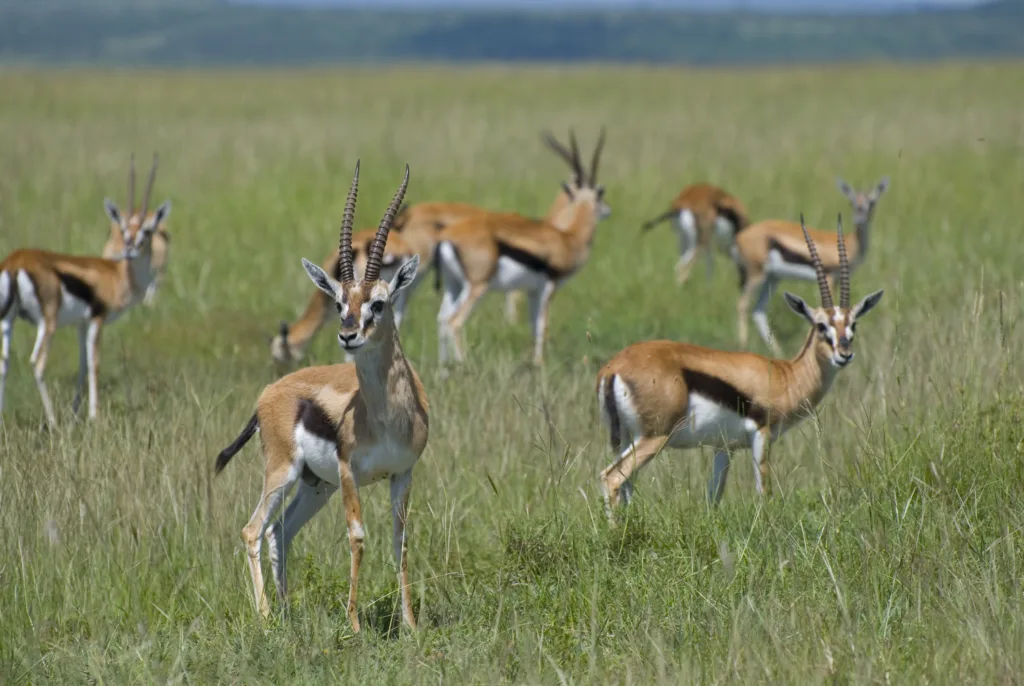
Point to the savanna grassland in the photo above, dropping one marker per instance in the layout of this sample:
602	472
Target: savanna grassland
892	548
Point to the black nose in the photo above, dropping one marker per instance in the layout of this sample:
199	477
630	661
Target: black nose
347	337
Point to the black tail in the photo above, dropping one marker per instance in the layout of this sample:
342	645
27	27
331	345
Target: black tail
650	224
614	428
437	268
243	438
12	289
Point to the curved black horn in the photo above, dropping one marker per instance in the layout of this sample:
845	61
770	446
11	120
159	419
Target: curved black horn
345	270
149	186
844	265
565	154
131	186
819	271
574	150
595	160
376	252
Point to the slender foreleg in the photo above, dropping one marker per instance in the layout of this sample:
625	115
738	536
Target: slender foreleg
400	485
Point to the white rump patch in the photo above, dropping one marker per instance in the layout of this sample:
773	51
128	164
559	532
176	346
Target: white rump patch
28	297
708	423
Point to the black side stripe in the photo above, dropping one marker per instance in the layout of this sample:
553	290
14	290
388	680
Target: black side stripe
788	255
724	394
84	292
529	260
315	420
738	222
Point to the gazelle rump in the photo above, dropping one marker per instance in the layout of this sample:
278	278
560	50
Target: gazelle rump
289	344
52	290
341	426
507	251
160	243
703	213
773	250
659	394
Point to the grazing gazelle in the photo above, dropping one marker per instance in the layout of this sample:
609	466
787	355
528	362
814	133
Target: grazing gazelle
290	343
702	211
415	232
507	251
344	425
659	394
769	251
53	290
161	240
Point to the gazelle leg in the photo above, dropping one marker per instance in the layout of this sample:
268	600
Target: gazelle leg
761	447
44	333
449	297
616	475
354	518
540	302
275	487
743	306
458	319
93	356
720	472
512	299
83	366
688	246
307	502
400	484
6	330
760	315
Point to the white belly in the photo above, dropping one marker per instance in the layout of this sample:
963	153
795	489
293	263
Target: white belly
780	268
513	276
708	423
72	310
369	464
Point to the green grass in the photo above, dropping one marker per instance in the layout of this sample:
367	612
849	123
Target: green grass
891	552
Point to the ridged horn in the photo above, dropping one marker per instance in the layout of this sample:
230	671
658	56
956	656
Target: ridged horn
376	253
565	154
596	159
149	186
131	186
819	271
345	269
844	265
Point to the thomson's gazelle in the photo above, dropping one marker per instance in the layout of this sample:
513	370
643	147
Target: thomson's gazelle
344	425
659	394
52	290
770	251
703	212
507	252
159	252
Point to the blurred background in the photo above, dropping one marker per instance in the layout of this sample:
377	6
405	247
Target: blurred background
309	32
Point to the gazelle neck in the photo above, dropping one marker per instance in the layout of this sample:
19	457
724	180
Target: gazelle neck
581	224
384	374
863	241
812	375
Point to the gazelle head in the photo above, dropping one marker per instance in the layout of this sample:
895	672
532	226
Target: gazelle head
863	204
137	228
834	327
581	182
364	306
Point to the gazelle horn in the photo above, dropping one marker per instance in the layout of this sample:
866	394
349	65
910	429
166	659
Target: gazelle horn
345	270
565	154
149	186
376	252
844	265
819	271
131	186
592	181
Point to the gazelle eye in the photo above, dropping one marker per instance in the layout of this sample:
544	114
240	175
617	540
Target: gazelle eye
377	307
822	329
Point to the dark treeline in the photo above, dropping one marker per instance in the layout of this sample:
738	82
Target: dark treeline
207	32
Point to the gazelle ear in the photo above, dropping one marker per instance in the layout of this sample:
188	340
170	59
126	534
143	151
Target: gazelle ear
568	191
161	213
877	191
406	275
866	305
846	190
797	304
320	278
112	211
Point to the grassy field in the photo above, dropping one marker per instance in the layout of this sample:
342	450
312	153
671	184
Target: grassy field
891	552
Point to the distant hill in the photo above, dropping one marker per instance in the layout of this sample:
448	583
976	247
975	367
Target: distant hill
212	32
